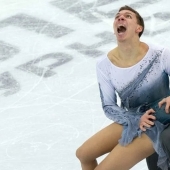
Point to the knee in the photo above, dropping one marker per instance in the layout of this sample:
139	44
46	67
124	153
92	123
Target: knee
82	154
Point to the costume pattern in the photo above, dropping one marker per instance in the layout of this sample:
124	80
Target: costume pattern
144	82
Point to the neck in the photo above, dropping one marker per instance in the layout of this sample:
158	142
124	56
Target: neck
129	50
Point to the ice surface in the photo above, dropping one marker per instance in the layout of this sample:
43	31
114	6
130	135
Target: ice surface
50	101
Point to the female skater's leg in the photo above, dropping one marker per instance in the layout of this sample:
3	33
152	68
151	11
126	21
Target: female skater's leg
125	157
99	144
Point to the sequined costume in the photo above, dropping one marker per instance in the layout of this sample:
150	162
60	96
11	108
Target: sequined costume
144	82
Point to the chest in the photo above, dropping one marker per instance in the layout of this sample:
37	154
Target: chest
144	75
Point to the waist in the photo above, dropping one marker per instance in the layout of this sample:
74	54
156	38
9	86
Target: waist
140	109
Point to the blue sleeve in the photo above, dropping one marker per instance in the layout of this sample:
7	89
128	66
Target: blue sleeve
108	95
130	121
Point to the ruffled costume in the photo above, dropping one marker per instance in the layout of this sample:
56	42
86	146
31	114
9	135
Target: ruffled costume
145	82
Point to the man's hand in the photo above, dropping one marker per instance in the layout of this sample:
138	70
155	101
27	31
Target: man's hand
167	102
146	120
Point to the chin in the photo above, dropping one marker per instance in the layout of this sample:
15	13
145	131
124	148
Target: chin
121	39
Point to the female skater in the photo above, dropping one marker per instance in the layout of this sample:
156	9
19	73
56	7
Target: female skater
138	73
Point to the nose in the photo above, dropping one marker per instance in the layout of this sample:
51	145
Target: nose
121	18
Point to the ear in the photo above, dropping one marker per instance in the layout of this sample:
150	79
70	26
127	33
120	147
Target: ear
139	29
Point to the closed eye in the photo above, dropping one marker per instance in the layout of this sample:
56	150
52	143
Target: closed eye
125	15
117	16
128	16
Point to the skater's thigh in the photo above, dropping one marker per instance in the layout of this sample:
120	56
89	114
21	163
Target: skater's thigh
102	142
125	157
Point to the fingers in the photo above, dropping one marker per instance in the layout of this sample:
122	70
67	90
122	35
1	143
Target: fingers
142	128
150	112
147	124
163	101
167	108
167	102
151	117
147	119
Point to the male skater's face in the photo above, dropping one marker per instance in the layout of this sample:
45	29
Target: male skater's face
125	24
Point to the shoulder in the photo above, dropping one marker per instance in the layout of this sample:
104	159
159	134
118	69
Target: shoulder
158	50
106	59
103	65
155	47
162	52
102	60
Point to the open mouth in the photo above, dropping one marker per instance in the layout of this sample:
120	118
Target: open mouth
121	29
